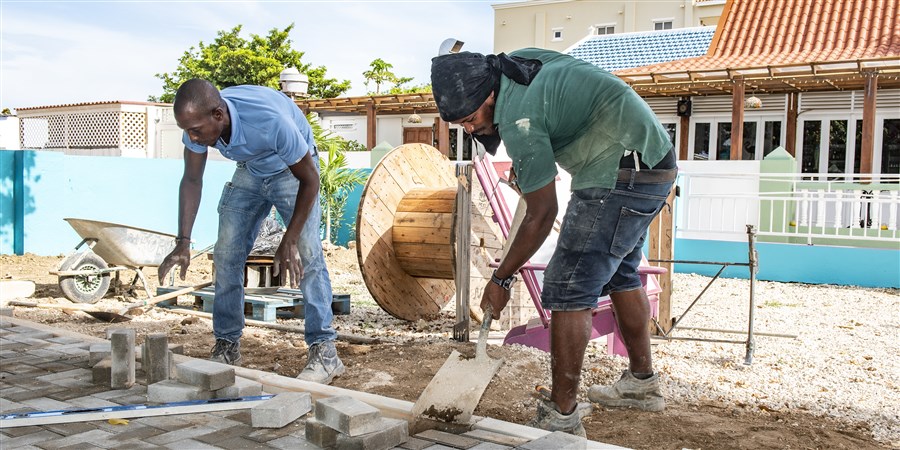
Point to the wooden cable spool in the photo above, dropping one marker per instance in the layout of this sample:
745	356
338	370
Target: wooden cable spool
405	232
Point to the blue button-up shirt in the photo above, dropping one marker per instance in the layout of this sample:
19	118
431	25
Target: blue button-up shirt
268	131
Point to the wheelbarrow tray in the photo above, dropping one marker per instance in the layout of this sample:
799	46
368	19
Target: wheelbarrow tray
123	245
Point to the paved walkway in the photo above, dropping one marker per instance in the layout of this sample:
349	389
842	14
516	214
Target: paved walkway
41	370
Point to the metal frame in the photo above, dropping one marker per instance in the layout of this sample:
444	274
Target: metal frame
753	267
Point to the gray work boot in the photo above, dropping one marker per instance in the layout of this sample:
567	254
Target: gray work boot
550	419
226	352
630	392
323	364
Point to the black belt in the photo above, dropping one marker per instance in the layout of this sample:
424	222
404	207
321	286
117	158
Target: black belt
647	175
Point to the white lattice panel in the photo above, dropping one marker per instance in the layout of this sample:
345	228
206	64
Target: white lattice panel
94	130
134	130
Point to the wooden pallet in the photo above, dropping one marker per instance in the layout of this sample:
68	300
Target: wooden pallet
285	303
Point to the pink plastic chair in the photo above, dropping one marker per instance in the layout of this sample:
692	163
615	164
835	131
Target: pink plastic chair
536	333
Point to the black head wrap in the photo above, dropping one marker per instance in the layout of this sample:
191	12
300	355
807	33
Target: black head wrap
461	82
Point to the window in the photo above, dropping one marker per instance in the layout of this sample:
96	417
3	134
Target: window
604	29
890	146
771	136
701	141
557	34
662	24
837	146
812	132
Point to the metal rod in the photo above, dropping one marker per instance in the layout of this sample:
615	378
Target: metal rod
719	330
693	302
713	263
753	257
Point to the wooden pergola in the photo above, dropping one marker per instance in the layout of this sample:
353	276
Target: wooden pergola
372	106
867	75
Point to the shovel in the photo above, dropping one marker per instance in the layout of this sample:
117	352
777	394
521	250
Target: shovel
456	389
103	316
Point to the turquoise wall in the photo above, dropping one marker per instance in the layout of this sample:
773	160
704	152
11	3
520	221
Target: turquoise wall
795	263
38	189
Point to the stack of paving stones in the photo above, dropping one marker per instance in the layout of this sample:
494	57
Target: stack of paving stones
42	371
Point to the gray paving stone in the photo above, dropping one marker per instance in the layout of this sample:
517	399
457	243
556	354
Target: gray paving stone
414	443
180	434
241	443
439	447
116	393
21	431
169	391
132	431
292	442
63	340
224	434
88	436
46	404
137	445
69	374
348	415
123	362
242	387
90	401
453	440
81	446
281	410
166	423
68	429
7	406
391	432
190	444
269	434
320	434
490	446
207	375
496	438
30	438
556	441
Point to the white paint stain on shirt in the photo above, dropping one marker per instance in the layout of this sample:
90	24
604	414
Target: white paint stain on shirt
524	125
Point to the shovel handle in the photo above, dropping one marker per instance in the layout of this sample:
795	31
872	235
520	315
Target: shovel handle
481	347
46	305
159	298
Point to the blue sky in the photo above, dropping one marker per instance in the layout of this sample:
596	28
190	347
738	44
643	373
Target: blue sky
55	52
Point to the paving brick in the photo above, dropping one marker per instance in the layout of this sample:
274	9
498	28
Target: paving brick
123	363
6	311
280	410
89	401
130	432
46	404
179	435
207	375
270	434
320	434
414	443
99	351
7	406
21	431
292	442
490	446
101	372
244	444
497	438
348	415
453	440
136	445
391	432
68	429
190	444
556	441
439	447
88	436
30	438
116	393
169	391
224	434
71	393
155	360
242	387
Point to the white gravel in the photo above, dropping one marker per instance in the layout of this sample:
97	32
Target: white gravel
842	364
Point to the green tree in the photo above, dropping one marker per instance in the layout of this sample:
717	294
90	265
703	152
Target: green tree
410	90
380	73
231	60
336	181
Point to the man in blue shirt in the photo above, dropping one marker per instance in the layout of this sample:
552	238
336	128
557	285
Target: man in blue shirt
277	165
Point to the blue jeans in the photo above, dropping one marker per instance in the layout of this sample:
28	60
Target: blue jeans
599	246
245	203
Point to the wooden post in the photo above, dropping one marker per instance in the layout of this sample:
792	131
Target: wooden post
370	125
737	118
868	122
683	138
790	134
463	249
443	135
662	247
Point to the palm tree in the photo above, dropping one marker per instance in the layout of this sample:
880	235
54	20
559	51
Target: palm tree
336	181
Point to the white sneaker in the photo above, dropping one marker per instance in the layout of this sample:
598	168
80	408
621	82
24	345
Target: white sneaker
630	392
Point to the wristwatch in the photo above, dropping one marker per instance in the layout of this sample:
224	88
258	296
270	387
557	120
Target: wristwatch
505	283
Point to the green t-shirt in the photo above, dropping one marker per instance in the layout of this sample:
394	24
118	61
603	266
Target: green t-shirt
577	115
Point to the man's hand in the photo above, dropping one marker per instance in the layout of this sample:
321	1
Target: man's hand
287	257
180	256
495	296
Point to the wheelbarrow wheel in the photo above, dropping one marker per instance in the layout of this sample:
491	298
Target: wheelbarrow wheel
84	288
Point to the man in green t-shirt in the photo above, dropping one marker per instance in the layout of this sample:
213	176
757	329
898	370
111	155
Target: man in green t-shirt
551	109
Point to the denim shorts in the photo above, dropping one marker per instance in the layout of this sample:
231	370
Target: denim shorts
600	242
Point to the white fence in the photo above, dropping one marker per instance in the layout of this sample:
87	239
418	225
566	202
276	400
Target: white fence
859	210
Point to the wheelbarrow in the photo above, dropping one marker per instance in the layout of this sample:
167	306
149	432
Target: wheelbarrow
84	276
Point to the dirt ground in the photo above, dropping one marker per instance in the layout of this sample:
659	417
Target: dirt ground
408	355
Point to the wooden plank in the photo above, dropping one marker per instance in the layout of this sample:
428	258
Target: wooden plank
421	235
437	253
446	193
737	119
426	205
867	151
661	246
423	220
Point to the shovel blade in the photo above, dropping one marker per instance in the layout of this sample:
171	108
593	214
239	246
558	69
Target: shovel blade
456	389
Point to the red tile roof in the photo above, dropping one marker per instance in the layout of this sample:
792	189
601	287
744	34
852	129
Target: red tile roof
760	33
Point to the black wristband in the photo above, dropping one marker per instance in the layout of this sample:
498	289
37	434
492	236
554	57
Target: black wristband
183	238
